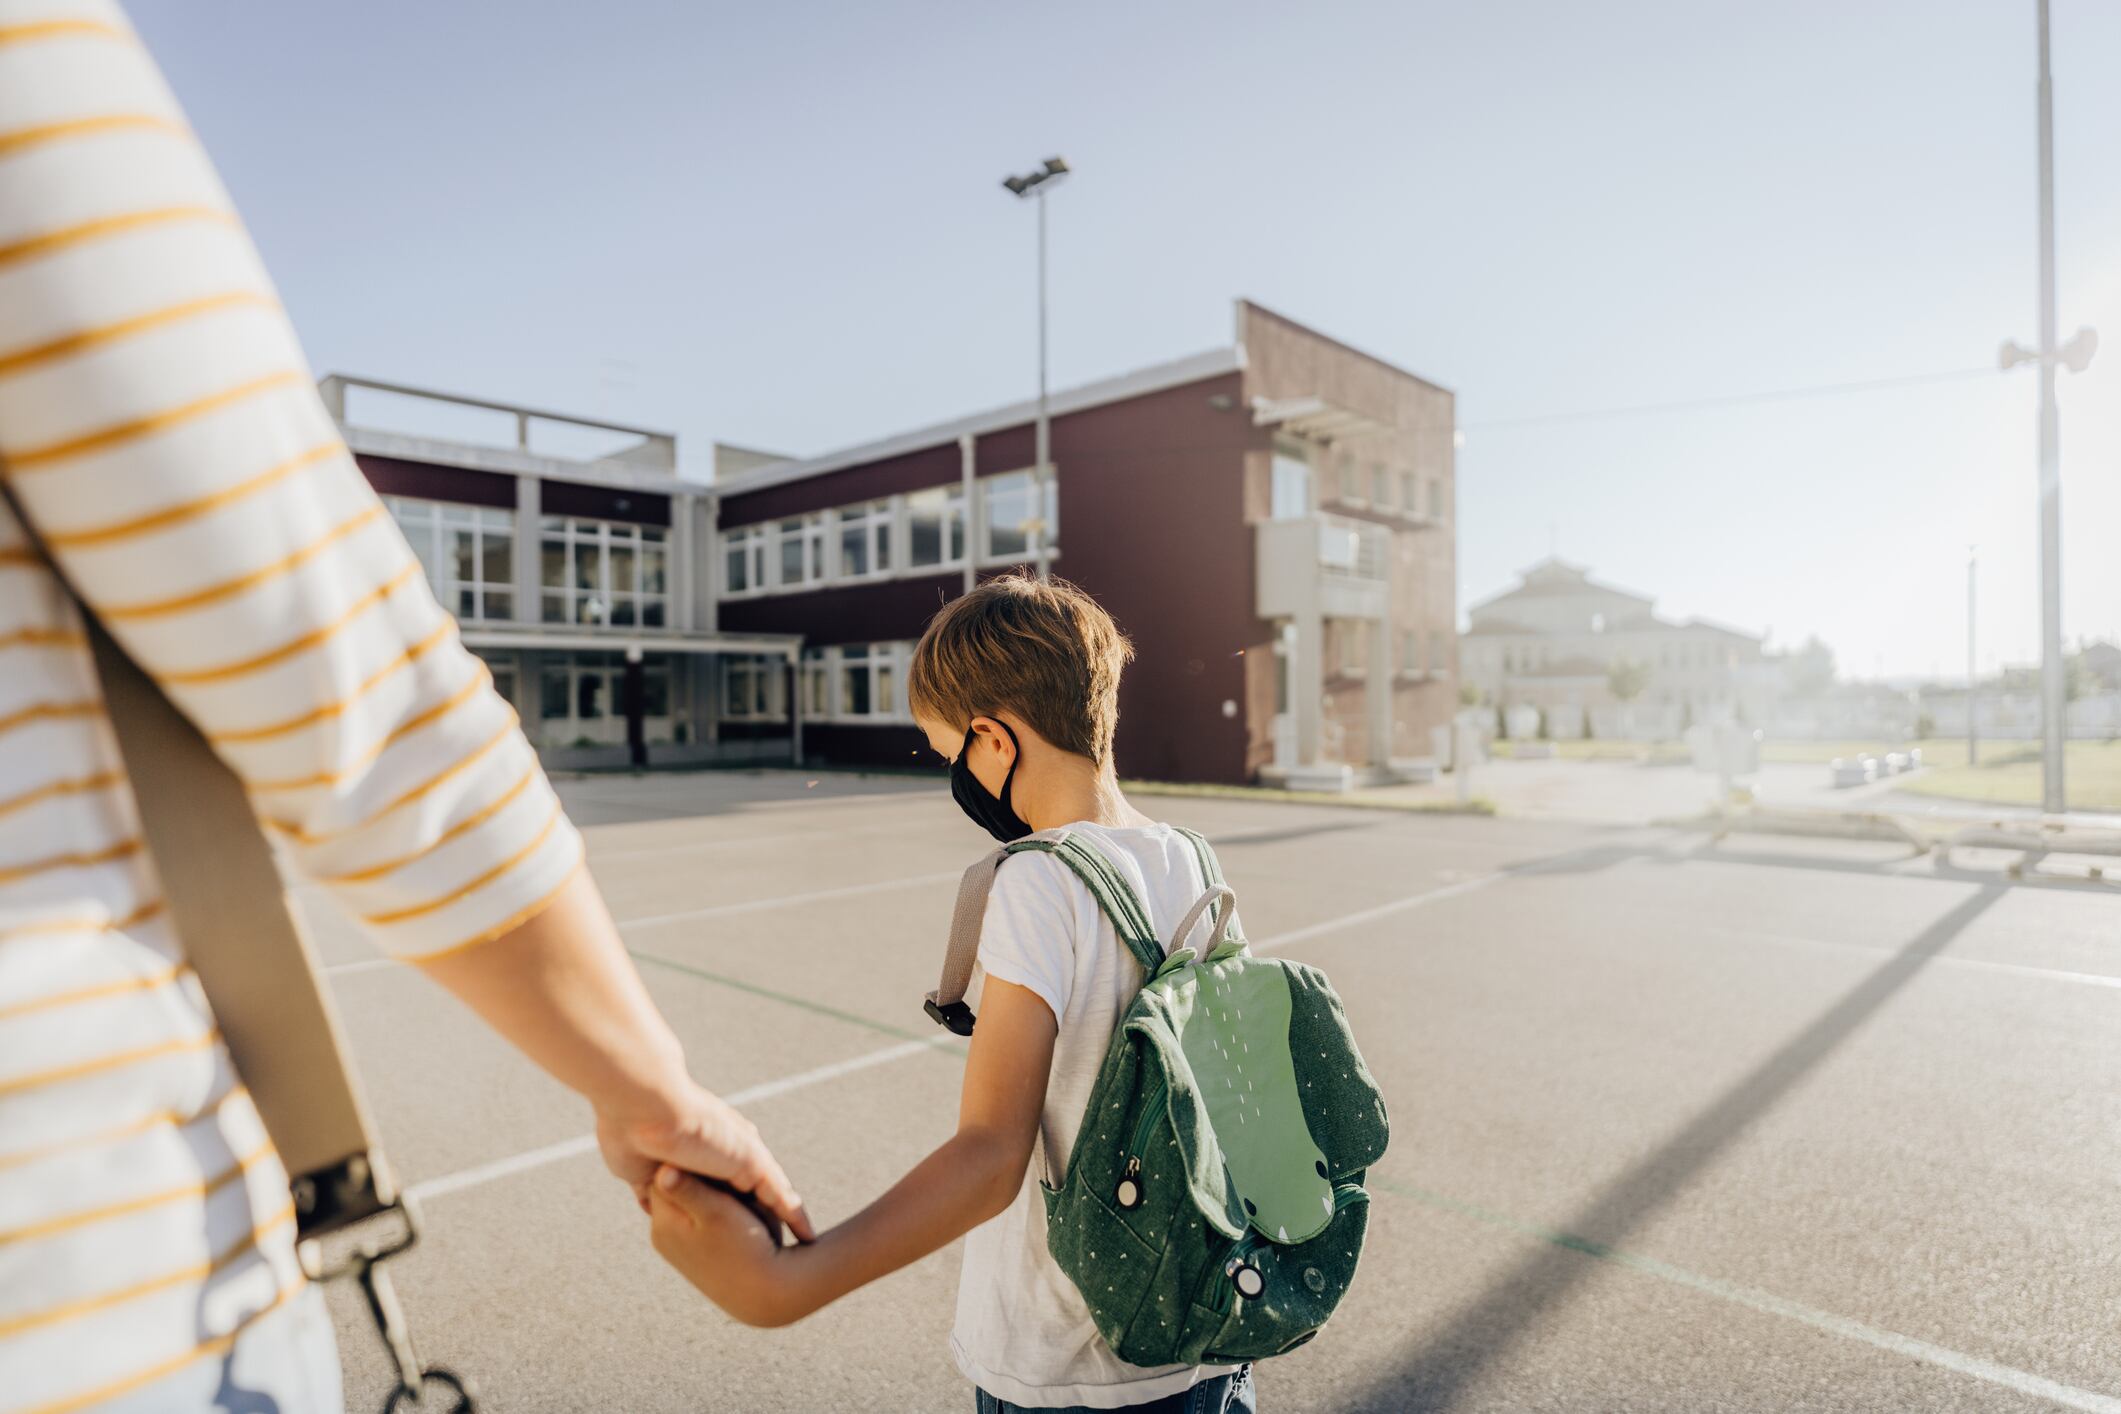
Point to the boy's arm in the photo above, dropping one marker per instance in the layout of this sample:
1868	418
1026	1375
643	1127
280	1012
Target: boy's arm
729	1255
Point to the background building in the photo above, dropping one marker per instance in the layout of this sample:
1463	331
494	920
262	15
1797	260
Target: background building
1270	522
567	549
1571	647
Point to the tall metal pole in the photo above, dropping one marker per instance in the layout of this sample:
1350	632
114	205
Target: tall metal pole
2052	704
1973	679
1045	431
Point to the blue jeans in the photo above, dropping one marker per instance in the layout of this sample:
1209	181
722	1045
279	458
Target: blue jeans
1233	1393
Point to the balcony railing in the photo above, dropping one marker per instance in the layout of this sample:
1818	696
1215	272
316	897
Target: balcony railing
1323	564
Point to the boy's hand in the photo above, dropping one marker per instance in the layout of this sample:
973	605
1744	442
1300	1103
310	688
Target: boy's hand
730	1251
699	1132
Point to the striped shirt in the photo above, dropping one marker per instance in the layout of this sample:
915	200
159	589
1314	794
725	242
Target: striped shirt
159	426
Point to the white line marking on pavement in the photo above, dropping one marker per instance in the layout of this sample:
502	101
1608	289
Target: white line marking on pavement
583	1144
762	905
1383	910
1976	964
1770	1304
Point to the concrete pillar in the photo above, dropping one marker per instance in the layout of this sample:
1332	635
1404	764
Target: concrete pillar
529	554
680	557
1307	684
1378	694
969	465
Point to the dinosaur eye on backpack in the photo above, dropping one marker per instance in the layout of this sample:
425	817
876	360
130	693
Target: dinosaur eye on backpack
1212	1210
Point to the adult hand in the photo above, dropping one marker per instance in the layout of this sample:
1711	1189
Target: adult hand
699	1132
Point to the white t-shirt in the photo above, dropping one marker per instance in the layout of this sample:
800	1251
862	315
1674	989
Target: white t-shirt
1023	1332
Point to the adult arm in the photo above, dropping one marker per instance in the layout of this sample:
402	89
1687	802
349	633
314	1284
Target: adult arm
159	427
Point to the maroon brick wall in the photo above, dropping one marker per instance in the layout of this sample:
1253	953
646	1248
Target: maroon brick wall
1151	523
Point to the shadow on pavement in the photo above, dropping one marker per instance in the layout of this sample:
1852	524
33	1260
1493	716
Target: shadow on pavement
1435	1374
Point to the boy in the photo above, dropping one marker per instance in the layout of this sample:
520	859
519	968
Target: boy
1017	684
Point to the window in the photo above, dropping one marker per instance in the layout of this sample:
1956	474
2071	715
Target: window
865	540
468	553
582	699
744	559
1407	486
1380	486
752	689
601	572
935	527
854	682
802	555
1013	517
1290	495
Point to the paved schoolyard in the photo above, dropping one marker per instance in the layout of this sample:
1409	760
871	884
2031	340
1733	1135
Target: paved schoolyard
1770	1125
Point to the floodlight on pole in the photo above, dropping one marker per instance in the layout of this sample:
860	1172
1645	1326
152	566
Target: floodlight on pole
2076	356
1035	184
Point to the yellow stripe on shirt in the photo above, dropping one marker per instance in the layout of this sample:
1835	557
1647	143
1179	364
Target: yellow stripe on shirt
119	433
552	822
101	781
444	632
189	510
23	360
144	982
31	247
360	606
60	29
38	1079
198	598
480	678
198	1271
204	1188
470	822
205	1349
22	139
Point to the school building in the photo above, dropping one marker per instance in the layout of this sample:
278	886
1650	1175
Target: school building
1270	522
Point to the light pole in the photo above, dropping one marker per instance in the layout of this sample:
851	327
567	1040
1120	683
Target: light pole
2075	355
1035	185
1973	691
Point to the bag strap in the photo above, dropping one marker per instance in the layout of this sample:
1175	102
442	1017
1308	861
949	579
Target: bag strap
946	1004
1211	878
230	909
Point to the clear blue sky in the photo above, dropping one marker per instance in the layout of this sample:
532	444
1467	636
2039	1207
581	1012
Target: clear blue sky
779	225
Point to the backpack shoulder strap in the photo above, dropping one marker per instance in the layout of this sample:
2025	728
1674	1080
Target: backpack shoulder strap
1218	894
1211	871
946	1004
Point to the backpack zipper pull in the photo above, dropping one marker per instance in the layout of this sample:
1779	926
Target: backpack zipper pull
1129	1192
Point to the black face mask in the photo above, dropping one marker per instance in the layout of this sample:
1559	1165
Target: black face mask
996	816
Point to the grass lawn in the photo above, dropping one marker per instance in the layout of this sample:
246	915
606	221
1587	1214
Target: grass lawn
2008	772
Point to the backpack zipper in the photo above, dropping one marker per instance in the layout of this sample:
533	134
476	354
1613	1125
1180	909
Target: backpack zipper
1129	1194
1217	1297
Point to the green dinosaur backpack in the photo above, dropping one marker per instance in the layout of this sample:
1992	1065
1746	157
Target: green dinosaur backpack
1212	1211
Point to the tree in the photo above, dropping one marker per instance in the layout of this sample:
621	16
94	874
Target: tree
1626	680
1810	670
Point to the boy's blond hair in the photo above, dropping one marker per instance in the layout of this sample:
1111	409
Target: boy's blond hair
1046	652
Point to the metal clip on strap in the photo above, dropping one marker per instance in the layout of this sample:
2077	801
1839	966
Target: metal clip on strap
365	1265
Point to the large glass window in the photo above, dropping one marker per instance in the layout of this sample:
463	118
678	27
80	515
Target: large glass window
601	572
935	527
801	559
855	682
582	699
865	540
752	688
467	552
1291	499
1013	515
744	559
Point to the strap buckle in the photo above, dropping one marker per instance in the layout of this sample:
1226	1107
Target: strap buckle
956	1017
364	1263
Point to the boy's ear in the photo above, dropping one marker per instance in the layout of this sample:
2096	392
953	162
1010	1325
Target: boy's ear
991	732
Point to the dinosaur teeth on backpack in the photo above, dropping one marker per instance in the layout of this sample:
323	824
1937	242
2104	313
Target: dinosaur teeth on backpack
1222	1218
